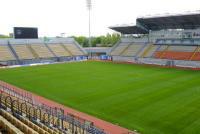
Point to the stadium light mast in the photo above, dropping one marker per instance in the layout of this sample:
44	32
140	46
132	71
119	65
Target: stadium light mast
89	7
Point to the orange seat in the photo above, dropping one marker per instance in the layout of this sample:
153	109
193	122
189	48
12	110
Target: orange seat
173	55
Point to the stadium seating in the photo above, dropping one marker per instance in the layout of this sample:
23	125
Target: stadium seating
17	123
5	53
41	50
182	48
119	49
139	50
7	127
31	51
196	54
25	117
23	123
177	52
148	51
23	51
131	50
73	49
173	55
59	50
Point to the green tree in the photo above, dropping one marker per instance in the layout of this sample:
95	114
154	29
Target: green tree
83	41
4	36
105	41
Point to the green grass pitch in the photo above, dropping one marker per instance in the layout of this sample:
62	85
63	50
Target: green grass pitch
152	100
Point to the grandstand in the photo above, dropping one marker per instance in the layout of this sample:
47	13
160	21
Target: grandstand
29	51
59	50
21	114
23	51
173	38
170	38
73	49
5	53
41	51
165	40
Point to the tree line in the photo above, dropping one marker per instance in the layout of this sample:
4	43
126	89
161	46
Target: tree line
101	41
4	36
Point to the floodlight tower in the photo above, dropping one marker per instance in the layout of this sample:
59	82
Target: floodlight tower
89	7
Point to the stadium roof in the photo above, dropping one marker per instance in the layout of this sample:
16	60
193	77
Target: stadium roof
183	21
145	24
129	29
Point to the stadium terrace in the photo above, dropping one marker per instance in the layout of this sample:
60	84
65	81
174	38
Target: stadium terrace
113	90
171	40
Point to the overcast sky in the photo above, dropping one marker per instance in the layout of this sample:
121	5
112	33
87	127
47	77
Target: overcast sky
53	17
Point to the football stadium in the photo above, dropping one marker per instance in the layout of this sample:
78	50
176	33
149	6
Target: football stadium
144	84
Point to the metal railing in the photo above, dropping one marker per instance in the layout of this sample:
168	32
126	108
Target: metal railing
24	104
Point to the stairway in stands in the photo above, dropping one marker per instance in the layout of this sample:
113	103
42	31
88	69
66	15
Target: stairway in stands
80	48
195	52
127	47
141	50
13	52
164	51
158	48
50	50
146	51
32	51
66	49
